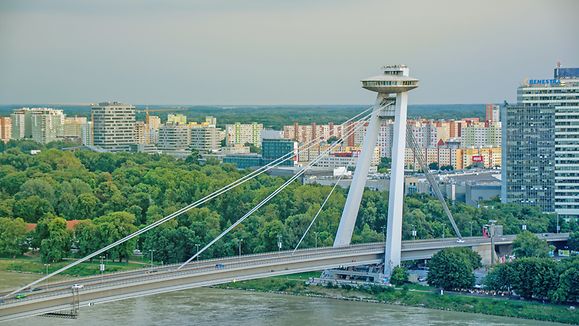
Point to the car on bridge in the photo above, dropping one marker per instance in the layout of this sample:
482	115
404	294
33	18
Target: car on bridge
20	296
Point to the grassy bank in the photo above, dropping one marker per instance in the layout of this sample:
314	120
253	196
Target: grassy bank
34	265
418	296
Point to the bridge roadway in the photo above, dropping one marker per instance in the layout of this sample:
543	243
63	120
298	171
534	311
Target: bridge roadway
147	281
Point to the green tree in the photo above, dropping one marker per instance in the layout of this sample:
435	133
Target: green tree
573	241
86	237
86	206
535	277
385	163
12	237
32	208
433	166
115	226
54	238
501	278
452	268
568	288
527	244
399	276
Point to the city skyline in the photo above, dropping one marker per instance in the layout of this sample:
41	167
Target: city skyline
275	52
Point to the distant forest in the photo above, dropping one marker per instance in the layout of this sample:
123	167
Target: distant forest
276	116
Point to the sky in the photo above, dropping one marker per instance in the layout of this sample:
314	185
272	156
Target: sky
261	52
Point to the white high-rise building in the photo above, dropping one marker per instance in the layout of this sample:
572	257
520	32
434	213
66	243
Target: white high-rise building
21	123
42	125
541	144
174	137
113	126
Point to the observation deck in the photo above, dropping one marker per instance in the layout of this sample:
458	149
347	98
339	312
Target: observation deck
395	79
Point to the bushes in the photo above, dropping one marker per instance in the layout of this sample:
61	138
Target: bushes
538	278
453	268
399	276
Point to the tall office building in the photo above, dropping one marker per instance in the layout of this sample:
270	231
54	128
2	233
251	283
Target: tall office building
113	126
540	143
272	149
5	129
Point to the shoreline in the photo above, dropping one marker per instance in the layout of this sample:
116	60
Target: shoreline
449	302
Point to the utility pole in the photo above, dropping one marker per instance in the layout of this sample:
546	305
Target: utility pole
197	245
47	282
279	242
239	245
102	268
471	228
492	234
152	250
383	231
316	235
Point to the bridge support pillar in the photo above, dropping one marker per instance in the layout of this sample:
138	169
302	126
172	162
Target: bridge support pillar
348	219
396	195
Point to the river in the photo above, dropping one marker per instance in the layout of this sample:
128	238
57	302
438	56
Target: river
206	306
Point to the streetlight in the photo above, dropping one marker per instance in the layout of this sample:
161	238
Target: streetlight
279	242
471	222
558	226
151	251
47	266
239	245
384	231
443	227
197	246
102	268
316	235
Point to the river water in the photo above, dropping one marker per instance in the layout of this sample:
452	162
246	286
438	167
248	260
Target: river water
232	307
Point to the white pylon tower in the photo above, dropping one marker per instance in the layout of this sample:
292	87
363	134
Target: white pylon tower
395	81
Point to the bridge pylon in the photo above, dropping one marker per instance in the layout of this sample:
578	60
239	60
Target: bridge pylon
391	103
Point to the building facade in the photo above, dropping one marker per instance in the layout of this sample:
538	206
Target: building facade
541	141
113	126
5	129
243	133
72	128
174	137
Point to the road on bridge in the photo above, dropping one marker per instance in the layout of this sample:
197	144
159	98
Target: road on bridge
123	285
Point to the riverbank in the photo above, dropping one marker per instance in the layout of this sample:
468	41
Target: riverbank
416	296
32	264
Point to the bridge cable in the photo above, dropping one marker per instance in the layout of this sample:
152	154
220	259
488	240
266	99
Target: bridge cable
320	209
433	183
273	194
201	201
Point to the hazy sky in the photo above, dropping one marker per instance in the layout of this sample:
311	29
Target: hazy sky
277	51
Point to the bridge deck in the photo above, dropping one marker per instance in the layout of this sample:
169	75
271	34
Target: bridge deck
147	281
